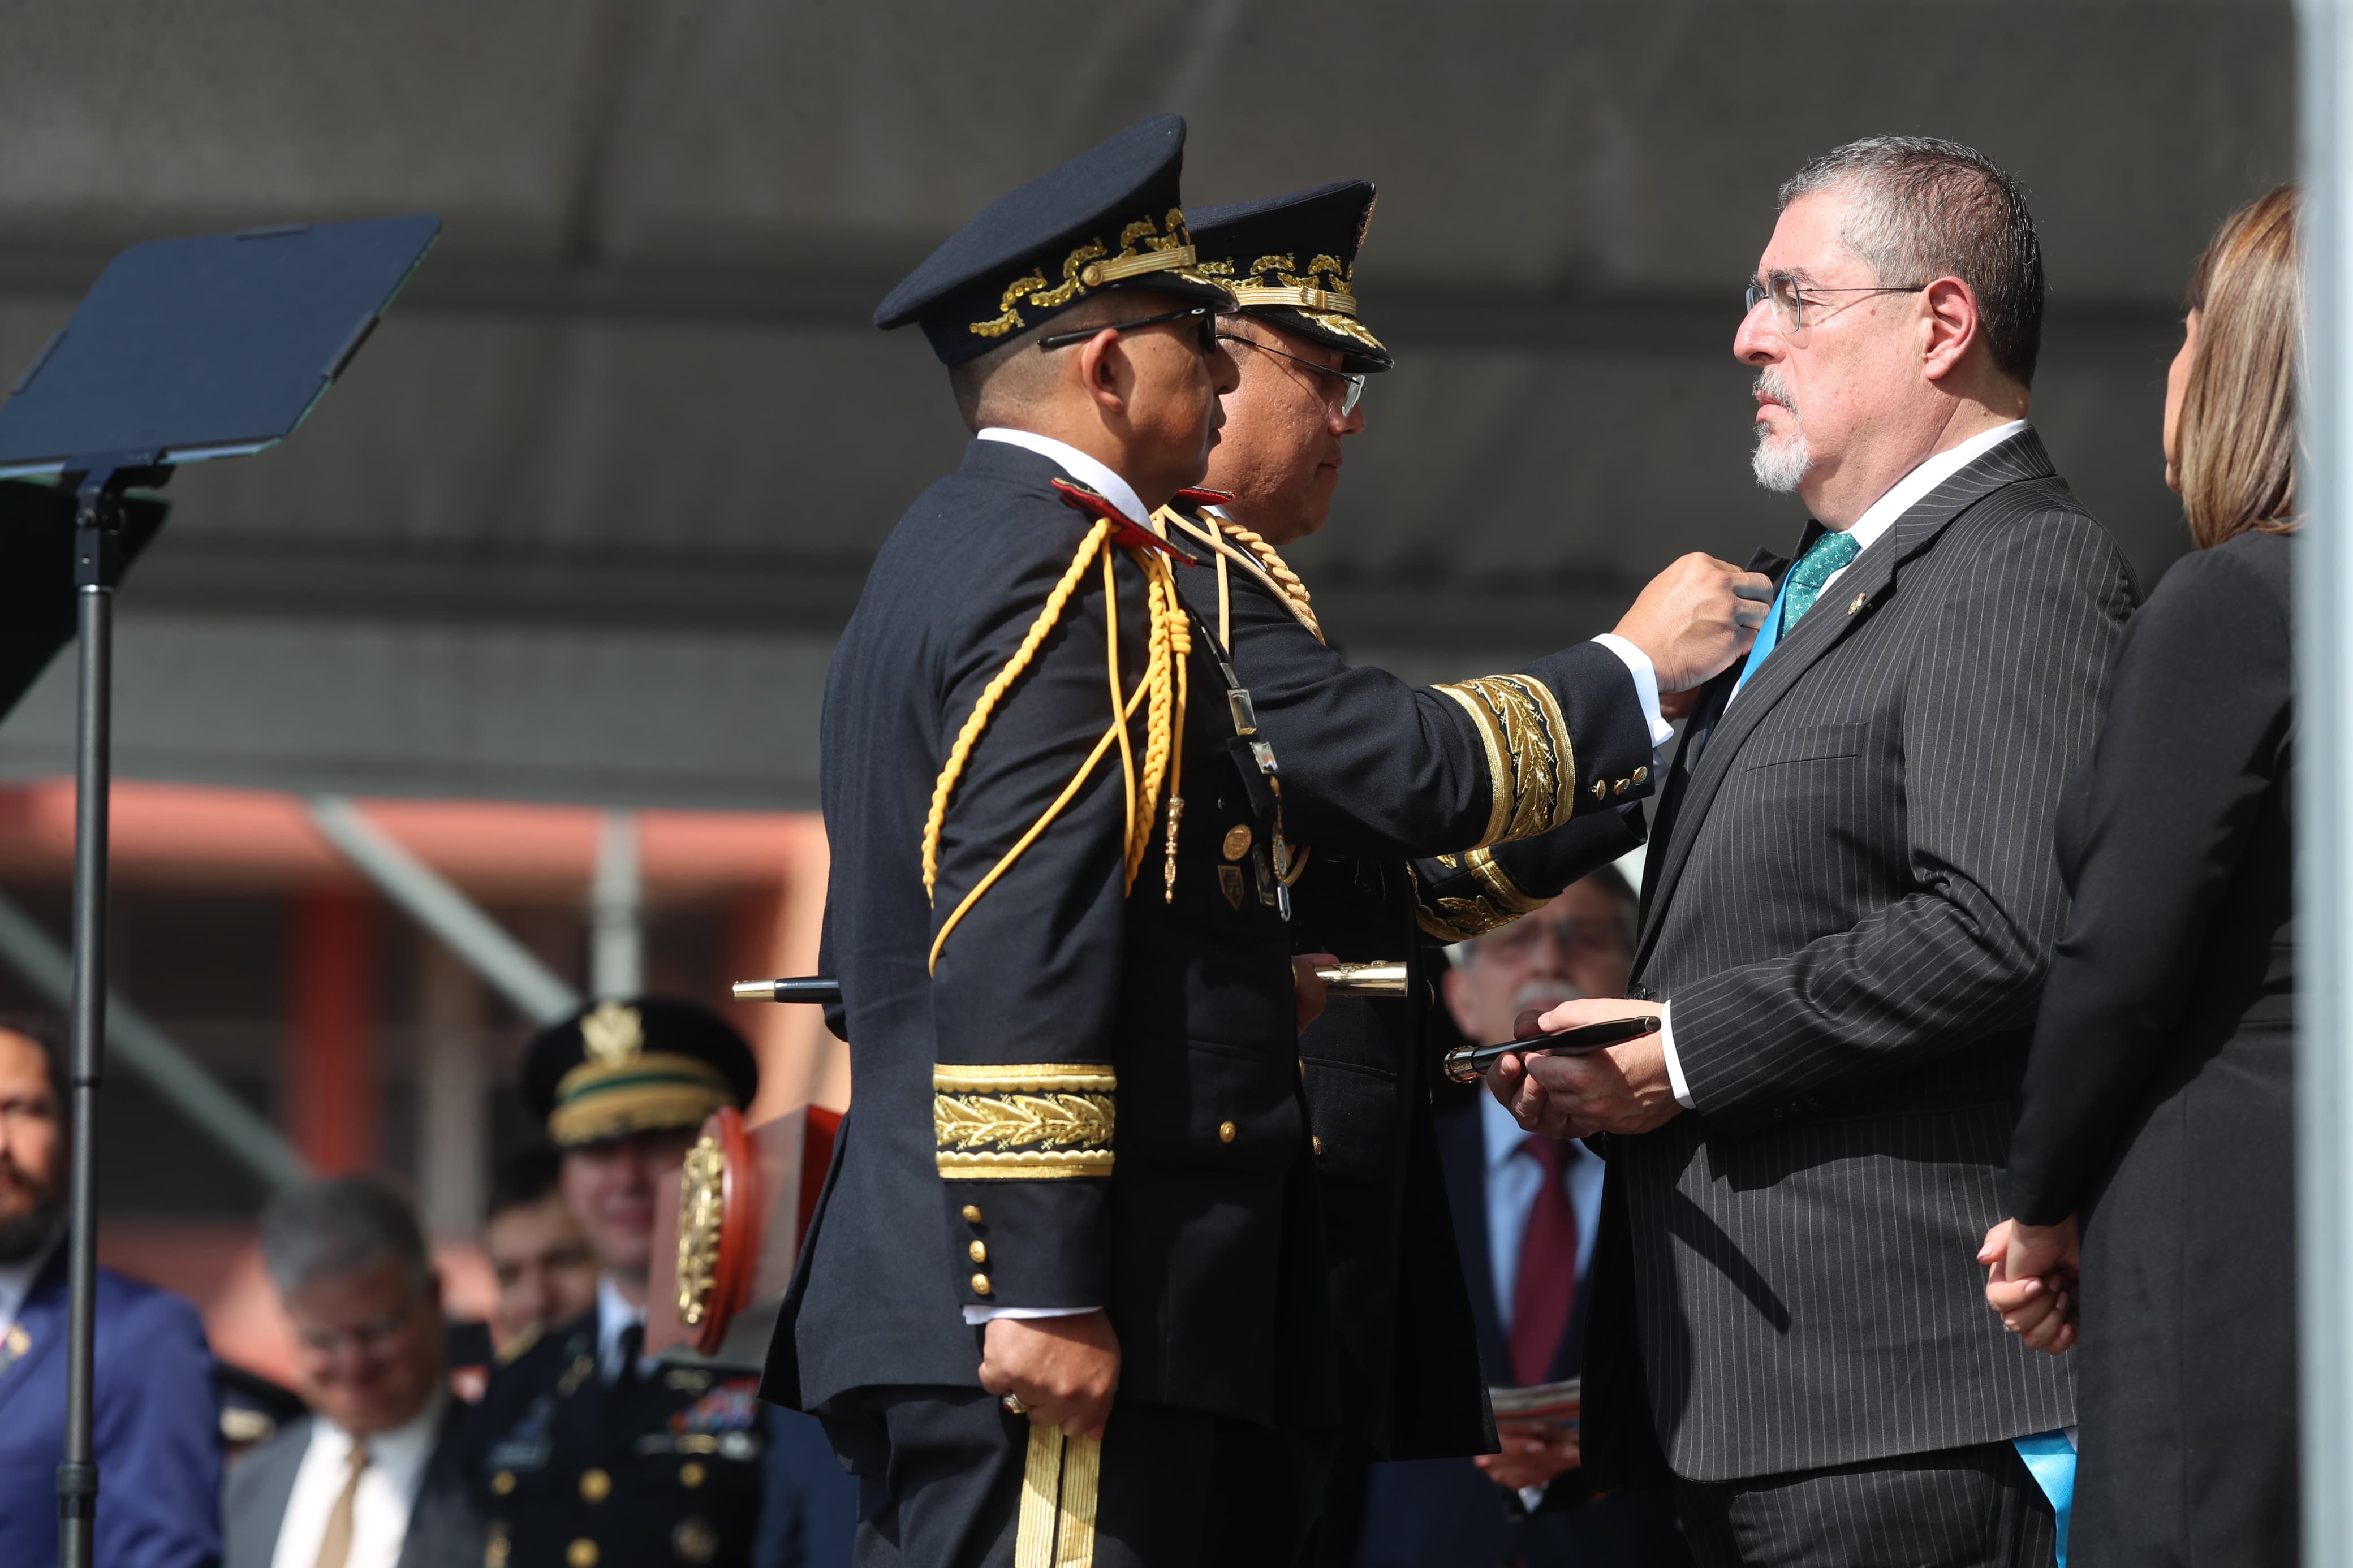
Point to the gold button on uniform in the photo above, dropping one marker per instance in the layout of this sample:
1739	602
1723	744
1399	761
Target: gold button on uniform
502	1483
1318	1141
1600	789
1621	787
691	1473
694	1540
1641	774
581	1553
1226	1130
1238	841
980	1250
980	1285
972	1213
595	1486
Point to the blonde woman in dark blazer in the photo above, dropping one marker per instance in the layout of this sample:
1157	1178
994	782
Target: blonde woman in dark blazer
2158	1121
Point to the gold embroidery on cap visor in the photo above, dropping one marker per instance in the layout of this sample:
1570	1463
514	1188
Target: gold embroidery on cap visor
1497	902
1531	766
655	1090
1093	265
1324	291
1026	1122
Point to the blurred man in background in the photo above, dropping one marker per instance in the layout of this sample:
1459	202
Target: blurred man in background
1524	1212
371	1478
546	1270
585	1449
156	1437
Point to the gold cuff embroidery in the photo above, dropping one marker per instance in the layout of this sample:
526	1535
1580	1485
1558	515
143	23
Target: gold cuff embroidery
1498	902
1531	764
1024	1122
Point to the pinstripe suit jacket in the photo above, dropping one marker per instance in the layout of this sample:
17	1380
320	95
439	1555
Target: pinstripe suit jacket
1850	911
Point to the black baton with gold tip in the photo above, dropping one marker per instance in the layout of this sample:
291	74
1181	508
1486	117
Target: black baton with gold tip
1377	979
1468	1064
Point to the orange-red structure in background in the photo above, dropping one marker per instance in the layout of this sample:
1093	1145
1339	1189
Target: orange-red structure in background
330	1106
767	868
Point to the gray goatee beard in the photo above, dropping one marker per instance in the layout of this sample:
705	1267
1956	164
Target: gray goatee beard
1780	462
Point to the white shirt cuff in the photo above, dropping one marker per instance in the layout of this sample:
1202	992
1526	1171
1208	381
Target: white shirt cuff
1674	1063
1646	684
979	1315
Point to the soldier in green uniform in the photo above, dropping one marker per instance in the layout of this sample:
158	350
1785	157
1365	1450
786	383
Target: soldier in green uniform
587	1451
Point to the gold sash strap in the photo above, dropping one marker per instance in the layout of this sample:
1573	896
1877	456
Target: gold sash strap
1058	1487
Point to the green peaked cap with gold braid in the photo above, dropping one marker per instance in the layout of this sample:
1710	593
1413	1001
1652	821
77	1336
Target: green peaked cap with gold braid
635	1065
1291	261
1112	217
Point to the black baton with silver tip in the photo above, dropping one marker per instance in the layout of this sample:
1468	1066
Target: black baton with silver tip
1468	1064
1380	978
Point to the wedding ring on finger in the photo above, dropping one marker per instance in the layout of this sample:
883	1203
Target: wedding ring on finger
1012	1401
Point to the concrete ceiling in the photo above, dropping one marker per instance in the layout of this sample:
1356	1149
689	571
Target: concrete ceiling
584	518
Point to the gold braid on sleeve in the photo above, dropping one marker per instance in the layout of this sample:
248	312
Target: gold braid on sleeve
1024	1122
1530	764
1490	901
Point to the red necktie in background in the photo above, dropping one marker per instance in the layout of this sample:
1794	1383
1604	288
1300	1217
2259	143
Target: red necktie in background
1545	1293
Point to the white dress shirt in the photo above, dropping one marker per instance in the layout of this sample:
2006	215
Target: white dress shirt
1095	475
381	1505
16	1282
1902	497
614	1315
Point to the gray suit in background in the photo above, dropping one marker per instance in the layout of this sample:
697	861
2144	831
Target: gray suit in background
444	1532
1850	909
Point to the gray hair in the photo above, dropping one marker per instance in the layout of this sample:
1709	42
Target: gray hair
339	1227
1926	208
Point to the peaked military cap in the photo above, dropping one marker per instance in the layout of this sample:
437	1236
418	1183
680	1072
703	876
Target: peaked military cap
1110	217
635	1066
1292	260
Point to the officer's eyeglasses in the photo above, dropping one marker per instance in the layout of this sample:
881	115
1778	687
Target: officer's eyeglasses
1203	317
1792	299
1352	391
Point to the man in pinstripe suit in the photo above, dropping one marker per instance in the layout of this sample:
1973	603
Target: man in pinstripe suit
1848	907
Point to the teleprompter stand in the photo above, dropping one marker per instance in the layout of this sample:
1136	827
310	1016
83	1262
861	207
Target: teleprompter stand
183	351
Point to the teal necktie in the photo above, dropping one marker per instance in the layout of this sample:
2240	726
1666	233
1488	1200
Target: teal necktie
1826	556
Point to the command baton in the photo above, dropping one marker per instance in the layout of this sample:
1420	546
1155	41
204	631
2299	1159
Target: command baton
1382	978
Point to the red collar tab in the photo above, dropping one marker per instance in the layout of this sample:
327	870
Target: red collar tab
1123	530
1205	498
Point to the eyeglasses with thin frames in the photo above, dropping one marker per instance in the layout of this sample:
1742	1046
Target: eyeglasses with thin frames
1350	395
1790	298
1204	317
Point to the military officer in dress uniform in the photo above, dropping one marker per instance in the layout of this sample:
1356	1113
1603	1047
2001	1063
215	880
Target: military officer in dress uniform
1355	744
585	1450
1060	895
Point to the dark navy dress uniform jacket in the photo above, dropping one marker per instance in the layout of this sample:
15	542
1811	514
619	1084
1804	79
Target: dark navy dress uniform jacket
1204	1243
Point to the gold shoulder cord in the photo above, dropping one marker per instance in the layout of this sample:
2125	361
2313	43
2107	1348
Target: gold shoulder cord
1231	542
1163	682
